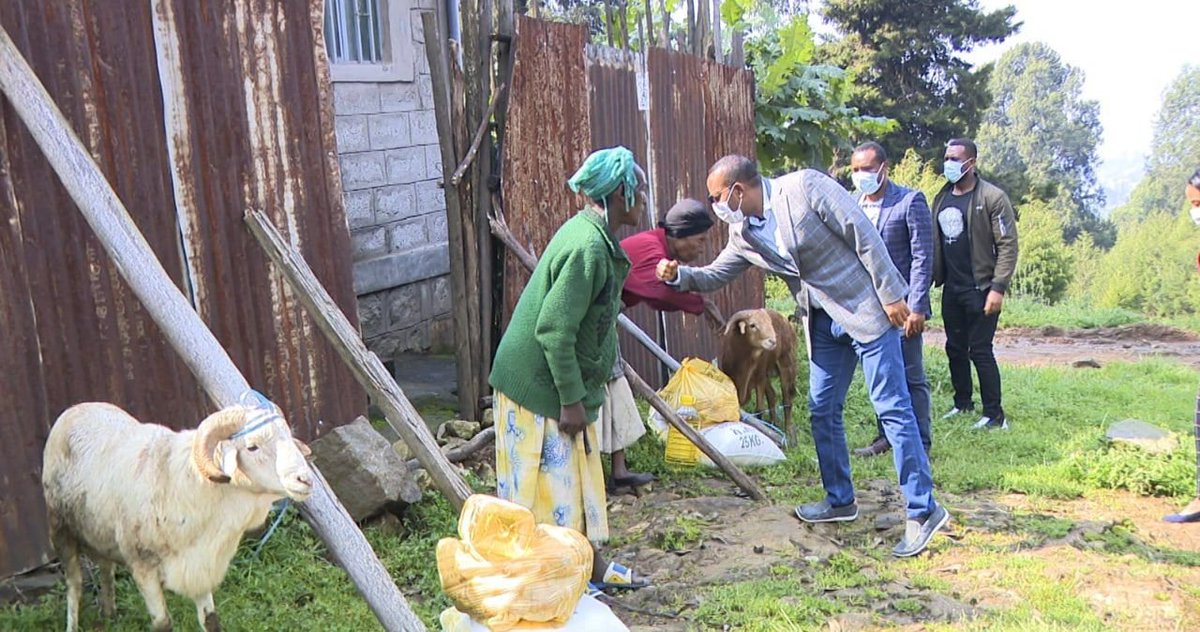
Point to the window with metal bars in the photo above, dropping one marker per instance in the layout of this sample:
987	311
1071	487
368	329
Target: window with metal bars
369	40
352	31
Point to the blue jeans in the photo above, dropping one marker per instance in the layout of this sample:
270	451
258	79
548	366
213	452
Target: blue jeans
918	387
833	357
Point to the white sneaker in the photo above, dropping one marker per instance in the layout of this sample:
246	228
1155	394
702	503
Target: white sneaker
987	423
954	412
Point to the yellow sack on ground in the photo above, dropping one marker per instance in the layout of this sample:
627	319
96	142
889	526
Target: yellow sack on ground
710	392
506	571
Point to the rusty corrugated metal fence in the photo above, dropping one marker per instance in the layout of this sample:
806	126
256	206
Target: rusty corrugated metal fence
678	113
195	111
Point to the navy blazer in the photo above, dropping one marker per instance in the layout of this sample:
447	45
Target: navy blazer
906	225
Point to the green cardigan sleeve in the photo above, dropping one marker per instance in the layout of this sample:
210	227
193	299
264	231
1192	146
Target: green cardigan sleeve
572	290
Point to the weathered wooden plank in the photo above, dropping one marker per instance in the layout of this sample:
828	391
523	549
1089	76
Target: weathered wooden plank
439	71
180	323
367	368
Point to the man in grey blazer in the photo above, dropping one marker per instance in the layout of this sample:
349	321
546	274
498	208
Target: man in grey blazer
906	226
806	229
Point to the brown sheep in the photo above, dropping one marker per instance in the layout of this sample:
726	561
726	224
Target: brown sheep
755	344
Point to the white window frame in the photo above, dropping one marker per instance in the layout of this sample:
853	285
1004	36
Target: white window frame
395	29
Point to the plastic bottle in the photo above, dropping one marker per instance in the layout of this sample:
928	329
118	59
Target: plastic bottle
687	409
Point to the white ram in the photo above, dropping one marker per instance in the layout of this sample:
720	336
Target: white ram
171	506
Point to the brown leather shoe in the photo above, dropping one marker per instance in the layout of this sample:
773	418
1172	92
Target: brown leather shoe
879	446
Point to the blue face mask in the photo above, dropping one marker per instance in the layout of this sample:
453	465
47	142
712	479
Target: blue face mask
867	182
953	170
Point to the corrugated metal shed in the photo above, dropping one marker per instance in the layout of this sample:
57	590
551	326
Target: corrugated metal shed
195	111
678	113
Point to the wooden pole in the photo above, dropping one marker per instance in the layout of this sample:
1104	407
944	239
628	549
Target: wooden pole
178	320
743	481
666	24
718	46
693	39
608	22
737	53
477	39
439	71
500	228
367	368
648	37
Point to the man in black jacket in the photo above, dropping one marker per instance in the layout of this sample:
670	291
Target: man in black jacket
975	254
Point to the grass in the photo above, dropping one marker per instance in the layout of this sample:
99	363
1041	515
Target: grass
1053	451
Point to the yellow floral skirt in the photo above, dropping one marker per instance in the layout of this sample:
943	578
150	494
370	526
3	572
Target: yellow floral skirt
542	469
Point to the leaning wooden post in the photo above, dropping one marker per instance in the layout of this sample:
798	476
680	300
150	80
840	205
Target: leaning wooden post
640	387
178	320
367	368
439	71
500	229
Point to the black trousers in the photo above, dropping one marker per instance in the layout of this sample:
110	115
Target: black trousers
969	334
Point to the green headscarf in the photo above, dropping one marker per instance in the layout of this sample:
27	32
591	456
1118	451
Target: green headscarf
603	172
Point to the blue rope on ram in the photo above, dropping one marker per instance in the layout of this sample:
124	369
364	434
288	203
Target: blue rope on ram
281	510
269	412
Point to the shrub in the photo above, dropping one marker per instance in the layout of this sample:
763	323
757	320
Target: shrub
1152	268
1044	265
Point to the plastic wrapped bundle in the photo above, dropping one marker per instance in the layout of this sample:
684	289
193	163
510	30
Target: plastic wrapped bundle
504	570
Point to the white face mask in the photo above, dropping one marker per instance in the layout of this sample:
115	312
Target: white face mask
866	182
729	215
1195	212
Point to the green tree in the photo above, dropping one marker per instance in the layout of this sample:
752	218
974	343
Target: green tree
1174	151
1039	138
801	108
908	60
915	172
1044	267
1152	268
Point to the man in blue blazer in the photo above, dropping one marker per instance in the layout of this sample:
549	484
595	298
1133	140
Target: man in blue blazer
906	225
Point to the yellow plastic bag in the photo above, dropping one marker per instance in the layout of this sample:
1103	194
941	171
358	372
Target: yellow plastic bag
703	387
506	571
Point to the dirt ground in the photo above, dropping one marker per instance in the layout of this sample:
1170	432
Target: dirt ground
1105	549
1052	346
743	541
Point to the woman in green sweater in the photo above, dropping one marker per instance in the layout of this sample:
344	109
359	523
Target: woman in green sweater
557	354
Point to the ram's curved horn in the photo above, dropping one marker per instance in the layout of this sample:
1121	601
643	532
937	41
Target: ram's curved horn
214	429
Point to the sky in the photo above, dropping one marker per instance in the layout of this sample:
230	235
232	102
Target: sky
1129	53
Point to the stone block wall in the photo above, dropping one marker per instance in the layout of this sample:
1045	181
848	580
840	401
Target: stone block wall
391	173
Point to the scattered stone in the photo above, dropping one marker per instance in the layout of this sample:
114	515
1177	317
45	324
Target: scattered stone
457	429
402	450
364	470
1140	434
452	443
850	622
760	549
886	521
1086	363
488	420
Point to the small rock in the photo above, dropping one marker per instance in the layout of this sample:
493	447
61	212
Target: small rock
1086	363
402	450
1140	434
488	420
759	549
364	470
883	522
486	473
850	622
457	428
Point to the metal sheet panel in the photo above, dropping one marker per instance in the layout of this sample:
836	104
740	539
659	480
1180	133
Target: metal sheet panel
617	120
255	131
700	110
548	137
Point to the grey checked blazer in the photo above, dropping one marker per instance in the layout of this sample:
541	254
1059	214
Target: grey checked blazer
836	253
